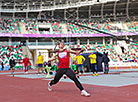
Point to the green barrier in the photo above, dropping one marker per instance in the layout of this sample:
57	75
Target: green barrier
19	67
74	67
54	68
48	73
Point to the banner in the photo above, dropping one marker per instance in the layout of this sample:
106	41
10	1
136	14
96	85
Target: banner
65	35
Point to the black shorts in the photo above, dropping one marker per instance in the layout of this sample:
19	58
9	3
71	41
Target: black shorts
12	66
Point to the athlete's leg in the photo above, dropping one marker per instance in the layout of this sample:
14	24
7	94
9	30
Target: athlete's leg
92	68
79	68
24	67
12	70
57	77
72	76
27	67
38	69
95	67
96	70
82	67
41	68
105	68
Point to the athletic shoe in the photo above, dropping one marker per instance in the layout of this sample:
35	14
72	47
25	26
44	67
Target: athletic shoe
84	93
38	74
26	72
105	72
93	74
96	74
49	87
64	77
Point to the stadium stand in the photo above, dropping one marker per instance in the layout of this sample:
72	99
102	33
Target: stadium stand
30	26
127	56
6	52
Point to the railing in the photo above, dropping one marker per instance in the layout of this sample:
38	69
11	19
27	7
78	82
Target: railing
45	43
59	6
15	43
4	43
9	43
31	43
40	43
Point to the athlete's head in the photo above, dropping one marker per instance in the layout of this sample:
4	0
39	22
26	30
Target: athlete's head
39	53
77	54
61	44
92	52
25	56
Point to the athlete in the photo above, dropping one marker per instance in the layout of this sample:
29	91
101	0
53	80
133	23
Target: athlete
26	62
40	62
63	57
80	59
12	64
93	63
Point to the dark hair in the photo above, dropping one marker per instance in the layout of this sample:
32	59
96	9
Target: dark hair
59	41
106	53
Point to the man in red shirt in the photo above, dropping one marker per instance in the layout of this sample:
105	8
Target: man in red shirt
26	62
64	61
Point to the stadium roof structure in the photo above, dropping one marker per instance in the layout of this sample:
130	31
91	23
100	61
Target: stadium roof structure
27	5
70	9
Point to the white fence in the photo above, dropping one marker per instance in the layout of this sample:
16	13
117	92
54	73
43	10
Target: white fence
122	64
